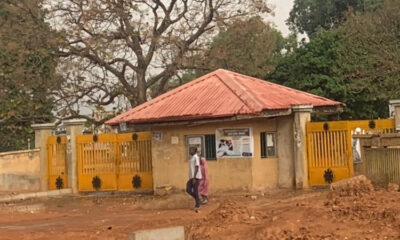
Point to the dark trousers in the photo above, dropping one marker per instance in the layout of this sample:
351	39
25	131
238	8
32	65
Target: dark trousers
192	189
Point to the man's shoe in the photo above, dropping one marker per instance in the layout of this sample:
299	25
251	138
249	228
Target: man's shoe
204	201
196	209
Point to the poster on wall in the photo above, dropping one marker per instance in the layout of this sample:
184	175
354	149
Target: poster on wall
234	142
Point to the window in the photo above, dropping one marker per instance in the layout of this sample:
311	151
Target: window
205	145
210	147
268	144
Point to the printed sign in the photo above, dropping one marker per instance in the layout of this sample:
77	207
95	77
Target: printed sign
157	136
234	142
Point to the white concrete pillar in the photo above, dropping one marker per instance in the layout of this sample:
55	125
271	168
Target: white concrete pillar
394	111
74	128
285	152
302	115
42	133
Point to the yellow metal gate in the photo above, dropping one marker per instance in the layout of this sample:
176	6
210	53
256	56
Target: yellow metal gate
57	157
329	147
114	162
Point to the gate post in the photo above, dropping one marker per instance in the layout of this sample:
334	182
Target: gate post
302	115
42	133
394	108
74	128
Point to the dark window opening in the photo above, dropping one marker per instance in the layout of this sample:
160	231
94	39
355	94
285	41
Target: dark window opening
268	145
210	147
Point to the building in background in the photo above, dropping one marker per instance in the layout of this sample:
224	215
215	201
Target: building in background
251	131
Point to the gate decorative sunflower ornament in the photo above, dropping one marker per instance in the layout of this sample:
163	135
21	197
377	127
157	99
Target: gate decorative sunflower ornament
136	181
96	183
59	183
328	176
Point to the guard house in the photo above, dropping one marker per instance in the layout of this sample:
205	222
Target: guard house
251	131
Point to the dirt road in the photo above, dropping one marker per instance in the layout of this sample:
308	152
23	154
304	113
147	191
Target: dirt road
274	215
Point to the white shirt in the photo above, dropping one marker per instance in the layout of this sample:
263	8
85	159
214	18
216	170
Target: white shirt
193	162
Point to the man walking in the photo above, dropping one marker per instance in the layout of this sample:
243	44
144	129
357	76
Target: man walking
194	177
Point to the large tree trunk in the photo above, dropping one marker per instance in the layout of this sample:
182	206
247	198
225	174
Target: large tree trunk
141	87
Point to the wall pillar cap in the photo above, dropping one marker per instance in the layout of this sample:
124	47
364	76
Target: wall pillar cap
79	121
302	108
43	126
394	102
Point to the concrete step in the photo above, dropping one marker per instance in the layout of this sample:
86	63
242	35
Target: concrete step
23	196
171	233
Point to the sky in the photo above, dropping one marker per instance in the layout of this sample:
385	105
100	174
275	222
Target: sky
282	9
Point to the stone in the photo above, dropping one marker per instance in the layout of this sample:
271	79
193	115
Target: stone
162	190
171	233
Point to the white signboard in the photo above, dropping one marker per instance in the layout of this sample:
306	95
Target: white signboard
194	140
174	140
234	142
122	126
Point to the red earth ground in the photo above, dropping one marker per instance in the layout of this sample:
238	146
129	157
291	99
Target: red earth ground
279	214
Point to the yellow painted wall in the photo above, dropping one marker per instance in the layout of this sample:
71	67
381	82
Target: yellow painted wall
20	170
170	165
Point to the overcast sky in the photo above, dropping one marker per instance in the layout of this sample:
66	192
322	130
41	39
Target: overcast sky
282	9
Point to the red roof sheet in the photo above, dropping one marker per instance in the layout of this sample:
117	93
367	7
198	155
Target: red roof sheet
219	94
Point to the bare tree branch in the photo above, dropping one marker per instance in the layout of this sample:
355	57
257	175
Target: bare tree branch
133	45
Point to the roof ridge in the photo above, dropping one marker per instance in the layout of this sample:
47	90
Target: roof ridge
281	86
254	105
168	94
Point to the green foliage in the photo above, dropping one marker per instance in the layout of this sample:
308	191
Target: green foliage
27	74
251	47
357	63
307	16
369	60
312	67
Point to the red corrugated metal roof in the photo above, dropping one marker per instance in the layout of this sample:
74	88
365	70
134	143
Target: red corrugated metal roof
219	94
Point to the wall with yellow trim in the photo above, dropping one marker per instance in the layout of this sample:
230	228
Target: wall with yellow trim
170	165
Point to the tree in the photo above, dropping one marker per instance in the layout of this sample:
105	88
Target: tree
250	46
27	72
312	67
307	16
357	63
123	48
369	60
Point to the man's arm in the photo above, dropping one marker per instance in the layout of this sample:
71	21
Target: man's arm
196	169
